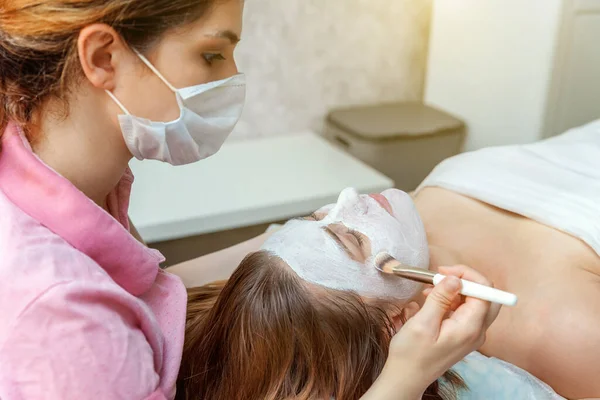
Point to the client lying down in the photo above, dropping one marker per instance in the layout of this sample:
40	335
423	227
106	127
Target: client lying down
308	316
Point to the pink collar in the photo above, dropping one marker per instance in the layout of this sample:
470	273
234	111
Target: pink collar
58	205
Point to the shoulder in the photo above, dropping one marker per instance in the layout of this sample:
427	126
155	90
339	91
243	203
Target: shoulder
26	246
38	265
75	339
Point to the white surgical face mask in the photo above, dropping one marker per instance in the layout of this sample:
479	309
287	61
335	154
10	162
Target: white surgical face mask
316	257
208	114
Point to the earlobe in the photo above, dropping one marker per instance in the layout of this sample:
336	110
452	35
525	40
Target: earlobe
98	46
407	312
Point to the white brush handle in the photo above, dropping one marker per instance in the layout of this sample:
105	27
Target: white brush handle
482	292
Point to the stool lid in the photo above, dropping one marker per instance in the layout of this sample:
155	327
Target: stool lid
394	120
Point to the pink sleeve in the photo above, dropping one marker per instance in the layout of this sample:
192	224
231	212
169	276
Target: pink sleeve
80	341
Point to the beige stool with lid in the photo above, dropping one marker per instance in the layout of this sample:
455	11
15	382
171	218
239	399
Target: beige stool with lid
404	141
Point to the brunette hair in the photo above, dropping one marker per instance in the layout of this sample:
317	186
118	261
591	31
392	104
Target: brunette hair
266	334
38	43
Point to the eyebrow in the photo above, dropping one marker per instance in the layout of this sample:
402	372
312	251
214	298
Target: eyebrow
338	241
310	217
331	233
226	34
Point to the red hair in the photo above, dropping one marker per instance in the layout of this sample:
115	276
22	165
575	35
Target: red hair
267	334
38	43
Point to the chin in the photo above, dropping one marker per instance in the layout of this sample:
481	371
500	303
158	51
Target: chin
396	195
415	294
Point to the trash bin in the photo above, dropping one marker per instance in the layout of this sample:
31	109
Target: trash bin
404	141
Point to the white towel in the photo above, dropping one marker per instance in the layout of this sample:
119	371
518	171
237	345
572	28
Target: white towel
555	182
493	379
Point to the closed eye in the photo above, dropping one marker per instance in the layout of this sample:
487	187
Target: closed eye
357	249
350	241
339	241
358	236
311	217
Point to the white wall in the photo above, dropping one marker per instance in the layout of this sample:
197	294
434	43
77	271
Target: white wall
575	91
490	64
303	57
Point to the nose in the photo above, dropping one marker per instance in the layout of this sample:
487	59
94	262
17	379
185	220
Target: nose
349	194
227	70
349	198
233	67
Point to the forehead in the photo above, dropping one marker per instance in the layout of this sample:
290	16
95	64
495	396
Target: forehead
300	230
310	252
302	240
222	15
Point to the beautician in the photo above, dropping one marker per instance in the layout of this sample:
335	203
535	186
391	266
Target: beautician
85	311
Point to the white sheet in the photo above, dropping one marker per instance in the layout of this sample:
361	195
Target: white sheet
555	182
493	379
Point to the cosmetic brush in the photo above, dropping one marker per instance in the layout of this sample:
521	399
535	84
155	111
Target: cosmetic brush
389	265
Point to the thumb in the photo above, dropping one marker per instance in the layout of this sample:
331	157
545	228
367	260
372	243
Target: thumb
438	303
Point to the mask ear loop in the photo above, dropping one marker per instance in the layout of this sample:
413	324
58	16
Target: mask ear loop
149	65
112	96
153	69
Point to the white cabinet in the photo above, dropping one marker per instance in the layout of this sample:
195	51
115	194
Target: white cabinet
516	71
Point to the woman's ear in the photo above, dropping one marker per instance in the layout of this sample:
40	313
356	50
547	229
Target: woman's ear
407	312
100	48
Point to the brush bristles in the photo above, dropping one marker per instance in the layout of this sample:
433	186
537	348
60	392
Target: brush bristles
389	265
385	263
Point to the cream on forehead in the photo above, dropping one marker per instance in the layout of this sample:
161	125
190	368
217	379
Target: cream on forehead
317	258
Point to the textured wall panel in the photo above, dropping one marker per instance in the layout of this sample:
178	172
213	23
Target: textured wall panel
303	57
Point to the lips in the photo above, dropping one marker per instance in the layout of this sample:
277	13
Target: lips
383	202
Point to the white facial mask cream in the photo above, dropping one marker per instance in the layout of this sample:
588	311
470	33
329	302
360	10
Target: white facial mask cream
317	258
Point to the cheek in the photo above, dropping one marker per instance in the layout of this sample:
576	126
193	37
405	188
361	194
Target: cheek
413	289
224	69
146	96
193	69
379	233
160	102
181	62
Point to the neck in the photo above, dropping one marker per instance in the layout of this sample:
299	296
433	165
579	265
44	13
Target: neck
86	147
441	256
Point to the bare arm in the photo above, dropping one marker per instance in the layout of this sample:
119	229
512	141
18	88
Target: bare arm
393	384
211	267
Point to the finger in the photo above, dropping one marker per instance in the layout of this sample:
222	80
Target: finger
457	302
464	272
473	310
438	303
492	314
